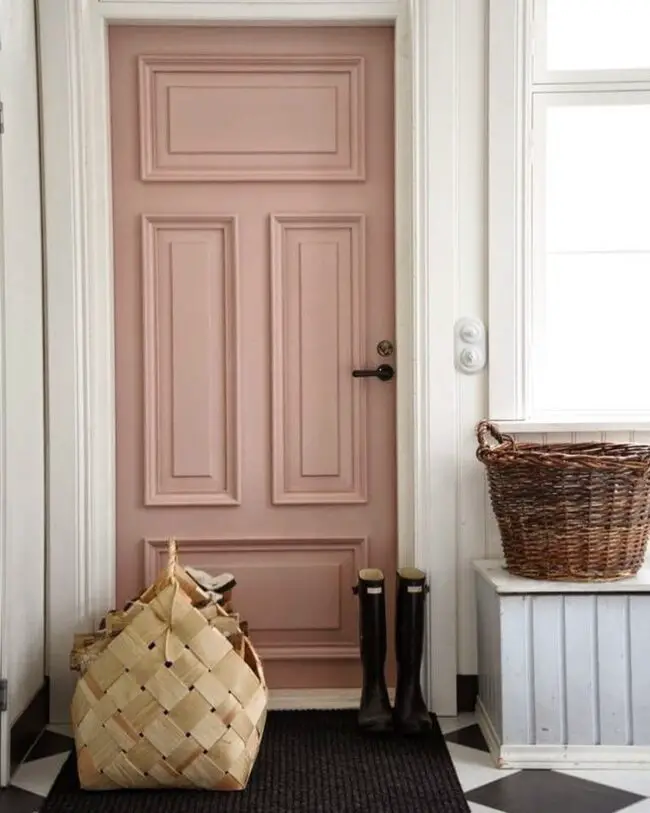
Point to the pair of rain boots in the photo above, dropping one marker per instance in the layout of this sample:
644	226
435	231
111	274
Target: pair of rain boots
410	714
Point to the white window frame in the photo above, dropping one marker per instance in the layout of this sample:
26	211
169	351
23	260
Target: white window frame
517	75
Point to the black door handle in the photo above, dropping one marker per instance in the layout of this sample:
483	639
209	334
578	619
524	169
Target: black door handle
384	373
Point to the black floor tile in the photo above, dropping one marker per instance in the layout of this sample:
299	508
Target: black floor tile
470	736
28	727
48	744
545	791
17	800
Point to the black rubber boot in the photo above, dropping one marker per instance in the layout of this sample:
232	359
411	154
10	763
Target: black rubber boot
375	715
411	713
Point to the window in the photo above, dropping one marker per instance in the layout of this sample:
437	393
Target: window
593	35
570	239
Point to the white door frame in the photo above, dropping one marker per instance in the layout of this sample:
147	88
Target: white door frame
79	273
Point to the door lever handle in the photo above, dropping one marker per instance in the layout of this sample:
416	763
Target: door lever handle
384	373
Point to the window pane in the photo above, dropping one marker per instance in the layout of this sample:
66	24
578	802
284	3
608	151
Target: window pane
598	34
594	350
598	176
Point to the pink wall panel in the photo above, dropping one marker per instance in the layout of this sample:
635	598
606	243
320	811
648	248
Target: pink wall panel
207	118
318	282
294	592
192	297
190	327
319	428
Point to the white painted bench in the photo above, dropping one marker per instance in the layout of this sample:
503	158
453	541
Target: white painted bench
564	670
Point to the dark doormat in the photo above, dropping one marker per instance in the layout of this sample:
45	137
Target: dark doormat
309	762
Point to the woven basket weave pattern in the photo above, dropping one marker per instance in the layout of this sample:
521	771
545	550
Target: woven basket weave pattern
576	512
168	702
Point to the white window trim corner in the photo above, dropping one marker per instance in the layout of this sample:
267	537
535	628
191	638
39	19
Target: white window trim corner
81	408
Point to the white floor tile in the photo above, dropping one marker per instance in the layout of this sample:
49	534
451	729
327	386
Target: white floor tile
477	808
632	781
448	724
475	768
38	776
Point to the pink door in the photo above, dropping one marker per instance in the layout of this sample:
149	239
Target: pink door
254	271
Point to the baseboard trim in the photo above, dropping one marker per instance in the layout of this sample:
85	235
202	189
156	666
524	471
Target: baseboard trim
28	727
466	692
560	757
576	757
286	699
489	732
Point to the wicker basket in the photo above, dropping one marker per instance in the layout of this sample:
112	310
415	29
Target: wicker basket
171	694
568	512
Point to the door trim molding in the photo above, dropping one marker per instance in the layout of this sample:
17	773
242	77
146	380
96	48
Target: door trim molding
79	282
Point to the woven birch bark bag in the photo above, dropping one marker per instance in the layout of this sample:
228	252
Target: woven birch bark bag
171	694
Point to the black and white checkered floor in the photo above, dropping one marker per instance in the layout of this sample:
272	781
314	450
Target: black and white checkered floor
487	788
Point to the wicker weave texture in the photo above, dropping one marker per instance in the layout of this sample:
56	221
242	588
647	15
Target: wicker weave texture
168	702
568	512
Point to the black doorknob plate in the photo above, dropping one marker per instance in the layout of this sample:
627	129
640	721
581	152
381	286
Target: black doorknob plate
384	373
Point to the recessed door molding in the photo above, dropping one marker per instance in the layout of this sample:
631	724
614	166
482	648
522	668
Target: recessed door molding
80	322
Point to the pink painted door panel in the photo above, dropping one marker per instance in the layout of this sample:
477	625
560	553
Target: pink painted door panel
254	270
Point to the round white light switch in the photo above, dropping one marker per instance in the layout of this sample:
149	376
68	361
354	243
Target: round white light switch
470	345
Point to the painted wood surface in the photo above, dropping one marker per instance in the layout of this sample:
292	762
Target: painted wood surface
565	669
250	282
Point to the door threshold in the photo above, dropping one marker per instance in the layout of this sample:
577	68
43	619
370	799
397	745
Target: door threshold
285	699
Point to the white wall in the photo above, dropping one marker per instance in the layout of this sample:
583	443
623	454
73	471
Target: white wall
23	351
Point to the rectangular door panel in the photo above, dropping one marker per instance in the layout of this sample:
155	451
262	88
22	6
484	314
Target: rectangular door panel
190	346
293	592
319	410
260	118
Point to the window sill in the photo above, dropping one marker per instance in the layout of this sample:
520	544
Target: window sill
604	424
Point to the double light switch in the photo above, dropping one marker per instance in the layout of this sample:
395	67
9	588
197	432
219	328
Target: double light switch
470	346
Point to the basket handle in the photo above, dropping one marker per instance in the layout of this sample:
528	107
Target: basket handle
172	559
486	431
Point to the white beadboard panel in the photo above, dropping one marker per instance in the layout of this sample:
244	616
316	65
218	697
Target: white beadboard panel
613	665
619	437
640	667
489	654
472	544
573	668
559	437
590	437
548	671
580	662
516	672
